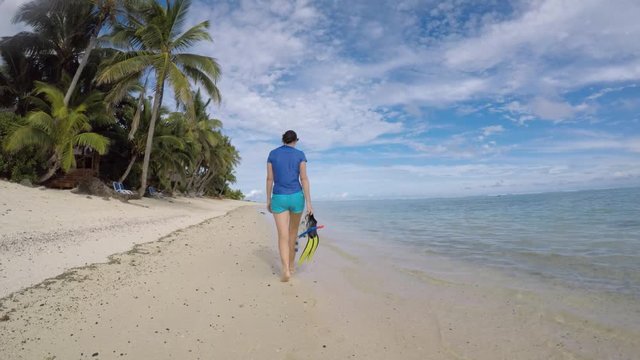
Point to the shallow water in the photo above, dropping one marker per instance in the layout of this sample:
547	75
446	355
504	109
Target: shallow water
588	240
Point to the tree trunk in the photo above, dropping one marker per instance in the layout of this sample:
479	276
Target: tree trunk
136	118
207	179
194	175
55	166
224	185
175	187
126	173
199	179
83	63
157	102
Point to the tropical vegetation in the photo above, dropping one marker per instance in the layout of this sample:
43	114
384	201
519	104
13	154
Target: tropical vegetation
93	76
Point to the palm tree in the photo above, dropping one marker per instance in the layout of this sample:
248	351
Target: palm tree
104	12
153	32
171	153
222	164
204	136
58	129
141	112
17	74
141	117
60	30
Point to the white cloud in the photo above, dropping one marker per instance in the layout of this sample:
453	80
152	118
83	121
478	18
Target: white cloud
544	109
253	194
493	129
584	145
552	110
606	91
435	93
593	29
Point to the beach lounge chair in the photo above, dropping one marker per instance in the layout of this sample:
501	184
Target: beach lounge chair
154	193
119	188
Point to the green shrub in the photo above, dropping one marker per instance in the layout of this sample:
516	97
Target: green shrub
233	194
25	164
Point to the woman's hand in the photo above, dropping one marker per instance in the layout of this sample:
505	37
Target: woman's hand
269	206
309	208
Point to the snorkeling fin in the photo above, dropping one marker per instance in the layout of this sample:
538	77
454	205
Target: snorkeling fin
316	241
307	250
312	239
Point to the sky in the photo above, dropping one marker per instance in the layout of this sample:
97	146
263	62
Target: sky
410	98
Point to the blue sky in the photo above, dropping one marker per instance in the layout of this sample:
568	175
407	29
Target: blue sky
430	98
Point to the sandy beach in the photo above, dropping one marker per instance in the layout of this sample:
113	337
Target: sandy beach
44	232
211	290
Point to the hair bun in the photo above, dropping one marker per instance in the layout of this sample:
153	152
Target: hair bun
289	136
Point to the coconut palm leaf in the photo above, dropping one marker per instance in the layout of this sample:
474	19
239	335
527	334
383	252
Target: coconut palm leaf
41	120
66	157
53	96
207	83
94	141
205	64
27	136
192	36
177	15
126	68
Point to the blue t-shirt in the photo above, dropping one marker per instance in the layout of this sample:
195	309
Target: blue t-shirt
285	162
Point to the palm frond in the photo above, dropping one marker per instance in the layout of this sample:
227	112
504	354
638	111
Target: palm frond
211	139
169	140
123	36
181	87
201	78
177	15
30	43
192	36
77	122
41	120
125	68
66	156
122	88
151	36
208	65
39	103
211	124
94	141
27	136
54	96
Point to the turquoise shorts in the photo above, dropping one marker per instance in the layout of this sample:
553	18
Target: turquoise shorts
287	202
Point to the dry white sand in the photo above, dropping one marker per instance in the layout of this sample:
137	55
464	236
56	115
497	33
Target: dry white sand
43	232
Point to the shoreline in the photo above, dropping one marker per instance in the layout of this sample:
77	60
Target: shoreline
212	290
470	312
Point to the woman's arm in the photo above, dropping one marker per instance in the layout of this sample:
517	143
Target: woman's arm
269	185
305	186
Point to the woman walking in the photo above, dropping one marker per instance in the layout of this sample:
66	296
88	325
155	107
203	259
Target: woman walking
287	192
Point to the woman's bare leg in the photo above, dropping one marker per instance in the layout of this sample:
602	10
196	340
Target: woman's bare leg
282	224
294	224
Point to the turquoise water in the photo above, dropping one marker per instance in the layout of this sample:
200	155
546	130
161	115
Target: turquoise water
585	239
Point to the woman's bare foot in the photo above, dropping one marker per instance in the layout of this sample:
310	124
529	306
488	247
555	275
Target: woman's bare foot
292	269
285	276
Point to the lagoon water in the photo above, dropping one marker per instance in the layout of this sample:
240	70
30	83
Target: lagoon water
587	239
